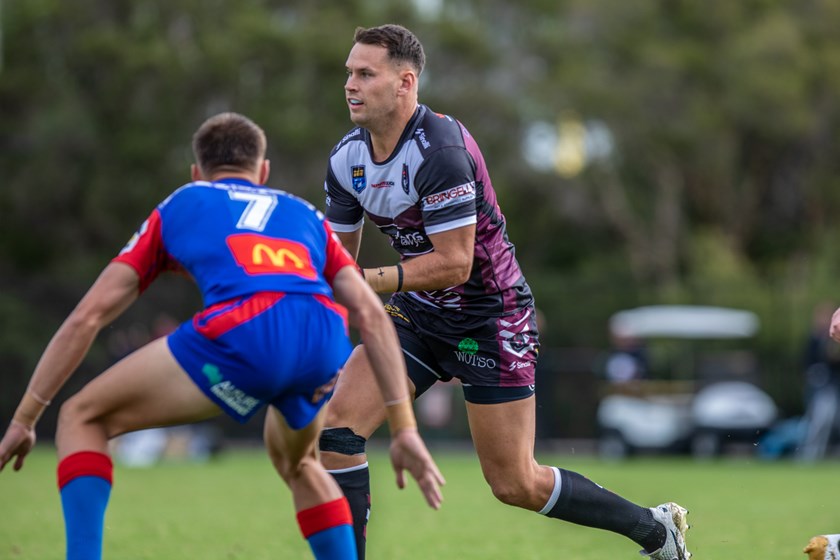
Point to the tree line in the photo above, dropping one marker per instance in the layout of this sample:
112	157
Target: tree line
643	152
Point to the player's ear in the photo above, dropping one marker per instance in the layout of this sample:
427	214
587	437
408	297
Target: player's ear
408	81
265	169
195	173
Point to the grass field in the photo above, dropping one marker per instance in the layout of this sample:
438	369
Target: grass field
236	508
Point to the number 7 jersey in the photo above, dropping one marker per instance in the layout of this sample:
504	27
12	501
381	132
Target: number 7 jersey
234	239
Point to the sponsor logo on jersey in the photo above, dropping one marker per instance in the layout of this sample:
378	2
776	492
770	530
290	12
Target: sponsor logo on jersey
455	195
421	135
350	135
468	346
396	312
409	239
235	398
382	185
475	361
212	373
259	254
519	365
227	392
357	172
405	178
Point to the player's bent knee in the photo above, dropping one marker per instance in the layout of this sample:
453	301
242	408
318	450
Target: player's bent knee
73	412
335	415
509	492
342	440
291	471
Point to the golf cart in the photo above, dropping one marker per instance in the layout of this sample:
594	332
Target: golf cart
698	391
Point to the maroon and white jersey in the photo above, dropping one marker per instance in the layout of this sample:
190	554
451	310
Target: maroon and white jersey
434	181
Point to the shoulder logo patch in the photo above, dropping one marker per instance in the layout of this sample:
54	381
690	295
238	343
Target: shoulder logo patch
359	179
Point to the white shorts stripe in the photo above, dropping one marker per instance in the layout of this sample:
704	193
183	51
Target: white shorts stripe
416	359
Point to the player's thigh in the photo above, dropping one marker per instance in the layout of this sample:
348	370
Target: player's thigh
503	435
356	402
146	388
420	346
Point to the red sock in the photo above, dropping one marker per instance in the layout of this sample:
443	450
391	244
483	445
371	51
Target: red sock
85	463
329	529
324	516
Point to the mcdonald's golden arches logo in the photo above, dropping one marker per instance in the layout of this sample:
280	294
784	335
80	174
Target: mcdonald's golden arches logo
259	254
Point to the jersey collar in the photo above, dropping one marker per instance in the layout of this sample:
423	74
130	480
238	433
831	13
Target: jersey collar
406	135
235	180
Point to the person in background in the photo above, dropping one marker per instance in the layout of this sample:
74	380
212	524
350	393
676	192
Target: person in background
822	384
460	302
627	360
277	287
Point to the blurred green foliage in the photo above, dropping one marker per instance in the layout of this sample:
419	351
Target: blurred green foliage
718	184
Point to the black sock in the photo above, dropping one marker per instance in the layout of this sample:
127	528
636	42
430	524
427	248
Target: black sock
356	487
583	502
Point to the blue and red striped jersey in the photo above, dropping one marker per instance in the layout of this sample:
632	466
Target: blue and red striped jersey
234	239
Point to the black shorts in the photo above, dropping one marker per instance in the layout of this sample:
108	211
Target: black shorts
495	358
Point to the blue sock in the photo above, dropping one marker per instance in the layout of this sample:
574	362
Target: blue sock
335	543
84	480
84	500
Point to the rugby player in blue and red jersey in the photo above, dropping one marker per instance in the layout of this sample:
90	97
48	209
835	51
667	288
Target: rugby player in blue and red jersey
460	302
277	287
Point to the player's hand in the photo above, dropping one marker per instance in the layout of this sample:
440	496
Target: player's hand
18	441
408	452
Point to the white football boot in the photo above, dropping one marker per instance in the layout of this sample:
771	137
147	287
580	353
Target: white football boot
673	517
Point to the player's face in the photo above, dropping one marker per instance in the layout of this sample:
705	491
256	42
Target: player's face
372	86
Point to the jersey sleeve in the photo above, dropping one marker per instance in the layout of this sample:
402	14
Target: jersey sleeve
446	184
145	252
342	209
337	256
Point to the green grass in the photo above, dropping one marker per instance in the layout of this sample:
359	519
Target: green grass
236	508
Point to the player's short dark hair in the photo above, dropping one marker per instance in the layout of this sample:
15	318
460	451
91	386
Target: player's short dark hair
402	44
228	142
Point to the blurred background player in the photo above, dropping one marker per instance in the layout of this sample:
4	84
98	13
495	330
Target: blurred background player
627	359
821	421
271	333
460	302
